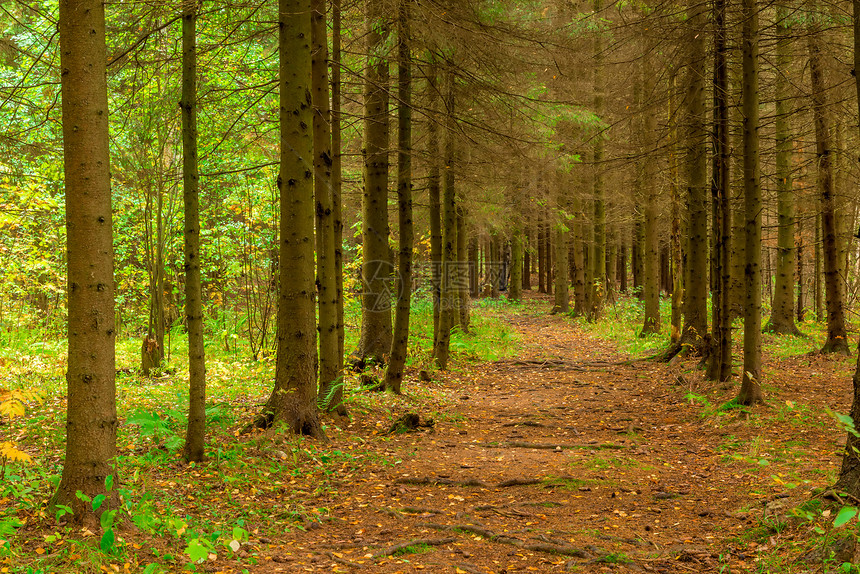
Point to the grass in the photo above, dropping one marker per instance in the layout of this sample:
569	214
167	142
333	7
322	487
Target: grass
272	483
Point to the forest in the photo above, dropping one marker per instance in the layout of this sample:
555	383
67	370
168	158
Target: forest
471	286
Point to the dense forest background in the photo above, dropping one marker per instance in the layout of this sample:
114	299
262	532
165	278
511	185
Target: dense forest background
338	197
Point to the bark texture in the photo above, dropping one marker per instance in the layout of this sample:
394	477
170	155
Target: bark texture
196	432
91	421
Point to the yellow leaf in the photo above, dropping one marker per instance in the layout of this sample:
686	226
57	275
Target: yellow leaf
8	450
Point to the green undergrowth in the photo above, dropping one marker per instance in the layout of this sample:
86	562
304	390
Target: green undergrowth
251	487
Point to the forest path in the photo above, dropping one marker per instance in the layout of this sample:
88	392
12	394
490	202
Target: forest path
557	461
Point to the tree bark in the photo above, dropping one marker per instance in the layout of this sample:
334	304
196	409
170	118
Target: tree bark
462	271
337	173
330	374
91	420
196	431
293	399
433	189
375	339
782	313
750	391
448	301
696	272
837	341
400	338
651	255
720	360
515	289
562	295
849	473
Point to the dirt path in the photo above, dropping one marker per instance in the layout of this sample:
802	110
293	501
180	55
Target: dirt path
572	465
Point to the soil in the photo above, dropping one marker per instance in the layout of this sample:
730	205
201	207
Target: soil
568	459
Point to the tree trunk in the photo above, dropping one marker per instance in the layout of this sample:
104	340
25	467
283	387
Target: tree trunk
580	307
449	233
337	173
541	247
562	296
598	251
547	235
720	360
696	273
375	340
527	259
330	375
750	391
837	341
849	473
782	313
622	267
196	432
515	289
433	189
91	422
474	287
651	255
462	271
800	276
400	337
293	399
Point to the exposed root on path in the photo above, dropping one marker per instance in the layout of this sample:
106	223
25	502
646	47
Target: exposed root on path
392	550
563	550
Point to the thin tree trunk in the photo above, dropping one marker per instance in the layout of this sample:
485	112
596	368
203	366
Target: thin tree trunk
720	361
433	188
515	289
849	473
527	259
837	341
196	432
400	337
547	234
782	313
696	290
330	376
337	173
562	296
651	283
599	248
462	271
449	233
91	422
375	339
580	307
541	253
750	391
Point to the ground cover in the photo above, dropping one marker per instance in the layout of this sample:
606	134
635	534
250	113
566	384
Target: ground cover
544	450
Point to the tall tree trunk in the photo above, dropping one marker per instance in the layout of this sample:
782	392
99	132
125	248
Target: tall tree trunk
750	391
91	419
375	339
330	375
562	296
696	271
849	473
541	253
474	287
837	341
448	301
782	313
294	397
547	235
800	276
515	289
337	173
580	307
720	360
400	338
462	271
196	432
599	288
525	241
433	189
638	256
651	283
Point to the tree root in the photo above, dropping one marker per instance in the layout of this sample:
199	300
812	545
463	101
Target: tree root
550	446
550	548
427	481
392	550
